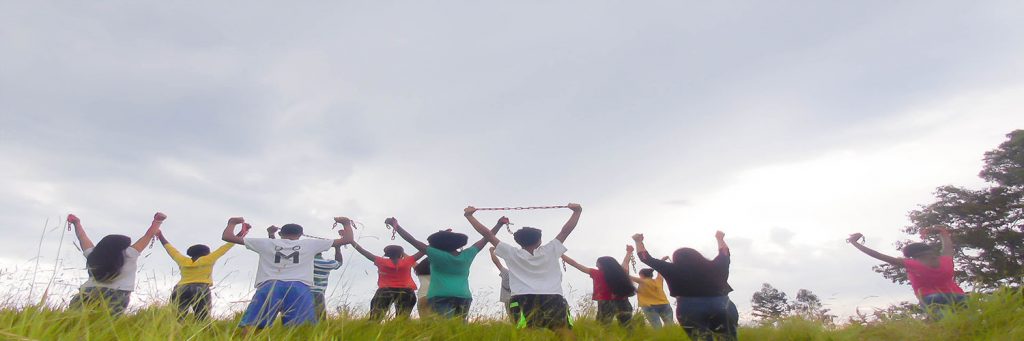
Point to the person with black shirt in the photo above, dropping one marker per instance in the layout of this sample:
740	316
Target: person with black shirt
700	287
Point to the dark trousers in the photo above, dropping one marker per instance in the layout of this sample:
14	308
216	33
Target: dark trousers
450	307
194	298
618	309
115	301
402	298
705	318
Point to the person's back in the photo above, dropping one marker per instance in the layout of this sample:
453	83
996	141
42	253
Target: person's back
536	273
927	280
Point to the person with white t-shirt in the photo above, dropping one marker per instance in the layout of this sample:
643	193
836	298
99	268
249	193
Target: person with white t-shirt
112	264
535	277
285	273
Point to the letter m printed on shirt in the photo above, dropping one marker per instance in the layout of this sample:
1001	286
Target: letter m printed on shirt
294	255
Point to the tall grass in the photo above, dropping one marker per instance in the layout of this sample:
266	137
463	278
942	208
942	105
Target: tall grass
999	316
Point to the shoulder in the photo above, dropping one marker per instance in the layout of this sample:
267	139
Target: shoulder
504	249
555	246
131	252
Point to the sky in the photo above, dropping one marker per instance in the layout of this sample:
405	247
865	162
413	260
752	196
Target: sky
787	125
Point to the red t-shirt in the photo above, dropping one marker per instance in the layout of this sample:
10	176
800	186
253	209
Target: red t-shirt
928	280
391	275
601	290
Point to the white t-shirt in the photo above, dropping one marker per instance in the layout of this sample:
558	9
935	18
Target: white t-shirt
124	280
286	259
424	286
533	274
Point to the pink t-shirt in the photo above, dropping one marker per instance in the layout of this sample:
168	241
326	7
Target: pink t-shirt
601	290
928	280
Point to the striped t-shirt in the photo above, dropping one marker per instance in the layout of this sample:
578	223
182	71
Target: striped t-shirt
321	272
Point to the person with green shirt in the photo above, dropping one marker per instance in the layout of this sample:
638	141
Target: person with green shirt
192	293
448	295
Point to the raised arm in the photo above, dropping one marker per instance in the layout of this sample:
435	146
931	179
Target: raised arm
494	230
497	262
855	241
575	264
83	238
947	240
571	224
160	236
488	235
229	231
627	258
418	255
171	251
369	255
337	255
420	246
272	231
158	219
723	248
346	234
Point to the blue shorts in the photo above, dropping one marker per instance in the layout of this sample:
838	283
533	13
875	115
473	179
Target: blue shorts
291	299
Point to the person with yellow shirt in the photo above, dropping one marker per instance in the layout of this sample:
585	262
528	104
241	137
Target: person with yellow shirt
650	295
192	293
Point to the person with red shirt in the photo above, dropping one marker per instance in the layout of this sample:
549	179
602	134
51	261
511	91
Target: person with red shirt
930	271
394	281
612	288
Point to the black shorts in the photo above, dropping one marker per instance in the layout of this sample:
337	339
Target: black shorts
540	311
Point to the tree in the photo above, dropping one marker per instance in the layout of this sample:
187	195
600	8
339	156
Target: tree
809	306
769	304
987	224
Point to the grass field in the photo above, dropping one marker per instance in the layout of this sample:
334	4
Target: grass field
991	317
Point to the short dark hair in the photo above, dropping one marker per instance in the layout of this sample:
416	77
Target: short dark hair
527	236
447	241
291	230
393	251
198	250
646	272
916	249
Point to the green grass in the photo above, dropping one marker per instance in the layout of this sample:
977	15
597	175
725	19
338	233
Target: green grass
990	317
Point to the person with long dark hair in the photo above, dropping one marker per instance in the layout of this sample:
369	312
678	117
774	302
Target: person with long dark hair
700	287
612	288
111	264
930	271
535	276
449	294
422	271
192	293
394	281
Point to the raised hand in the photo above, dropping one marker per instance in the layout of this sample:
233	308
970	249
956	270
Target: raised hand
575	207
245	229
236	220
468	211
629	248
159	216
639	237
272	229
342	220
503	221
73	219
391	221
855	238
719	235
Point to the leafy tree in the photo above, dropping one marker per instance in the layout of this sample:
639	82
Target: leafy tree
769	304
987	224
809	306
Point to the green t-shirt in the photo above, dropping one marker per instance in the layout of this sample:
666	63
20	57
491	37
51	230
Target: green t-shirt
449	274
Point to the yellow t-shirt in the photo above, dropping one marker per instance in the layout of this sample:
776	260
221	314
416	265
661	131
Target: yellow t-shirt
651	291
199	271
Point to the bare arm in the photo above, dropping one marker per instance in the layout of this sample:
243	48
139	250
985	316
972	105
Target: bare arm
947	242
337	255
369	255
420	246
576	265
494	230
479	227
83	238
854	240
160	235
627	258
720	237
229	231
140	244
346	234
272	231
418	255
571	224
497	262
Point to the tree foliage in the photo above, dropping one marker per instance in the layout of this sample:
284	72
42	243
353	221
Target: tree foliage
987	224
769	304
809	306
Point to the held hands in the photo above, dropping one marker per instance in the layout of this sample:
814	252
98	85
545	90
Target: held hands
245	229
468	211
73	219
391	221
639	237
159	217
272	229
855	238
719	235
342	220
236	220
575	207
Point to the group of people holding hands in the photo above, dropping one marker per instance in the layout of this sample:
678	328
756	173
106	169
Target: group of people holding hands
292	274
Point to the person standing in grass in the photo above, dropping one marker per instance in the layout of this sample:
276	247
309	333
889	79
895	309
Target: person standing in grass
449	294
285	273
612	288
422	271
930	271
505	292
535	276
322	268
111	264
394	281
192	293
650	295
701	289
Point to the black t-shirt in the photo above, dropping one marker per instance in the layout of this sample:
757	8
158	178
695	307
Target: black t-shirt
689	281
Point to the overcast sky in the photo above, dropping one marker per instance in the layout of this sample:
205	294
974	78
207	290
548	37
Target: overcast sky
788	125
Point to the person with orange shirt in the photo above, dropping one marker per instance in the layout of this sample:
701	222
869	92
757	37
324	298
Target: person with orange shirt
394	281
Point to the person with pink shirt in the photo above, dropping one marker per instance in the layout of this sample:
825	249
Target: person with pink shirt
930	271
